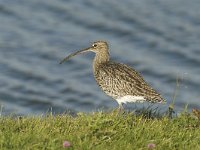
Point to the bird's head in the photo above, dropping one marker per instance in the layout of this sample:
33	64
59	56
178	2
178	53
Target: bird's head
96	47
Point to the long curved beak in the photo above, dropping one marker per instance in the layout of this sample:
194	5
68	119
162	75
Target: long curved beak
76	53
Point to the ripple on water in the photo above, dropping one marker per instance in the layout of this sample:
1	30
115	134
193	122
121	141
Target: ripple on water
159	39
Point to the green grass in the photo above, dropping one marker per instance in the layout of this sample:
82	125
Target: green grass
100	131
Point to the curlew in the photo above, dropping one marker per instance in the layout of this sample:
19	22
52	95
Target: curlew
117	80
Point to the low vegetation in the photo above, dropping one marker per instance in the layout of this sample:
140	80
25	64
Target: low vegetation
100	130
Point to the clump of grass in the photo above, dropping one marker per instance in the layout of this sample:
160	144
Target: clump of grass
100	131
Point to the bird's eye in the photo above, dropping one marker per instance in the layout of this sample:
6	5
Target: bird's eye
94	45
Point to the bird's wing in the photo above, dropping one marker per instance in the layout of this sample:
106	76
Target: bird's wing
118	80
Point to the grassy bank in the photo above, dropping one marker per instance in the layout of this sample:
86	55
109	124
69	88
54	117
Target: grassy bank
100	131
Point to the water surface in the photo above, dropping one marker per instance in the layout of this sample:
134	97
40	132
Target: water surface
159	38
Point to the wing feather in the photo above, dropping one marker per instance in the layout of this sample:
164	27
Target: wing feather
118	80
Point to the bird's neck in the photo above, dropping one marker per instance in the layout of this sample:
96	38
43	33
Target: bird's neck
99	59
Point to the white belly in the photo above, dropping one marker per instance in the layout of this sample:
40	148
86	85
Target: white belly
130	99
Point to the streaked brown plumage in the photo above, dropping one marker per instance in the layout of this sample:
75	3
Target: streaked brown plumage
117	80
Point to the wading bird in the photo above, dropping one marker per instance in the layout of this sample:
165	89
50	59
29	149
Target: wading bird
121	82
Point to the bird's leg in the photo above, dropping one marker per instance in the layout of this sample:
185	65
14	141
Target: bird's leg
121	108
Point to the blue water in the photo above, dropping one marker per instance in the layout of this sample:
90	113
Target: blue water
159	38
